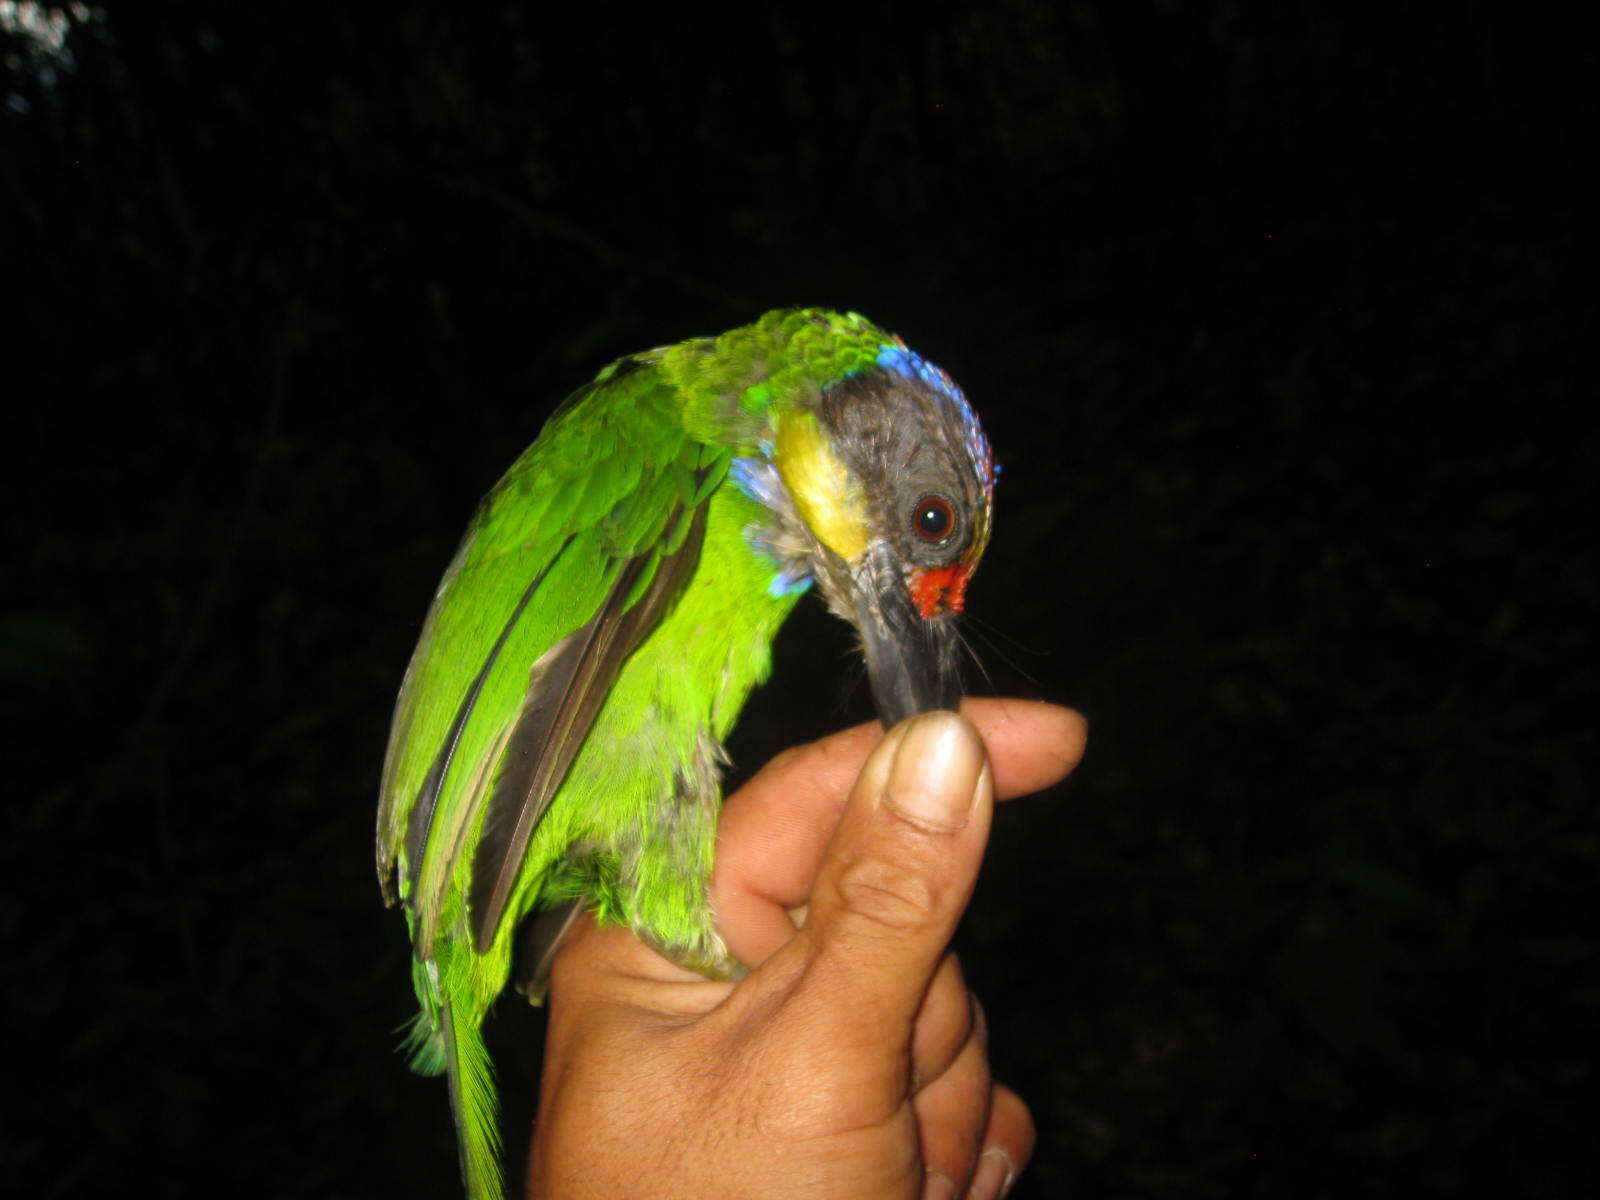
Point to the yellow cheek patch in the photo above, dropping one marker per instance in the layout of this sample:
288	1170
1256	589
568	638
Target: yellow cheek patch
824	493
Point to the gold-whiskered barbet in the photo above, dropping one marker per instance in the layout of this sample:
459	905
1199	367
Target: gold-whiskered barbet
557	741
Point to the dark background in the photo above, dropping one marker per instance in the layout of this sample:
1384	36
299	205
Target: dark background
1270	311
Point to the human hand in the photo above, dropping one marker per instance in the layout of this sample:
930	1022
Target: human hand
851	1061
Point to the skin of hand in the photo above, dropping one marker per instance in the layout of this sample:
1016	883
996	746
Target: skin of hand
851	1060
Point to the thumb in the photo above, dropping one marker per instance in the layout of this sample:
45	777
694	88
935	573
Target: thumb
901	866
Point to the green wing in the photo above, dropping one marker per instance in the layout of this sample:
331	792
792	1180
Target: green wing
568	565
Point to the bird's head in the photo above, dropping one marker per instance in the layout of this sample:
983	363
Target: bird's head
880	490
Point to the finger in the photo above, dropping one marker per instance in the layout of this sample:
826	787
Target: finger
945	1022
953	1114
775	828
1031	745
1007	1145
899	870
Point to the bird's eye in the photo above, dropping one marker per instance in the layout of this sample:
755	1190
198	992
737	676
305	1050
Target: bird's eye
933	518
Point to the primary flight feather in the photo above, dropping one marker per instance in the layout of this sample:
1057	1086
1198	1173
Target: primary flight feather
558	737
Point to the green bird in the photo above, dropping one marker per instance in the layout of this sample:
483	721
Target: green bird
557	741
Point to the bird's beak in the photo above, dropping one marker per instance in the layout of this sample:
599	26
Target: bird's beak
911	660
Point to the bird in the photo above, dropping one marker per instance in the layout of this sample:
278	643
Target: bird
556	745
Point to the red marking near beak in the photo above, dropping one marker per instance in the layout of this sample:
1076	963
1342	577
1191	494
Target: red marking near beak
940	589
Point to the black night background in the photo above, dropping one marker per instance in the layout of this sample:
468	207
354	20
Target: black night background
1272	314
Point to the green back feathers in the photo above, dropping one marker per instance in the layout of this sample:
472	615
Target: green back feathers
730	384
597	489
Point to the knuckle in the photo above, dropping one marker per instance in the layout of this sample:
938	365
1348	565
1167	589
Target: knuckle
894	895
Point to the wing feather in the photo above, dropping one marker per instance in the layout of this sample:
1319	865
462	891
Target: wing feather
567	687
422	809
570	562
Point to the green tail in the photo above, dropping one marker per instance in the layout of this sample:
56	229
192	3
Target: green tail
441	1041
475	1105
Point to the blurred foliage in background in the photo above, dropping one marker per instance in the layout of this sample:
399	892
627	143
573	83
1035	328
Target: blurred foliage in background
1272	313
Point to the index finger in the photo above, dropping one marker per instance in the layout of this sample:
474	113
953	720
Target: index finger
774	829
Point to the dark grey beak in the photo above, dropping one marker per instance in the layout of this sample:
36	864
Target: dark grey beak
911	661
